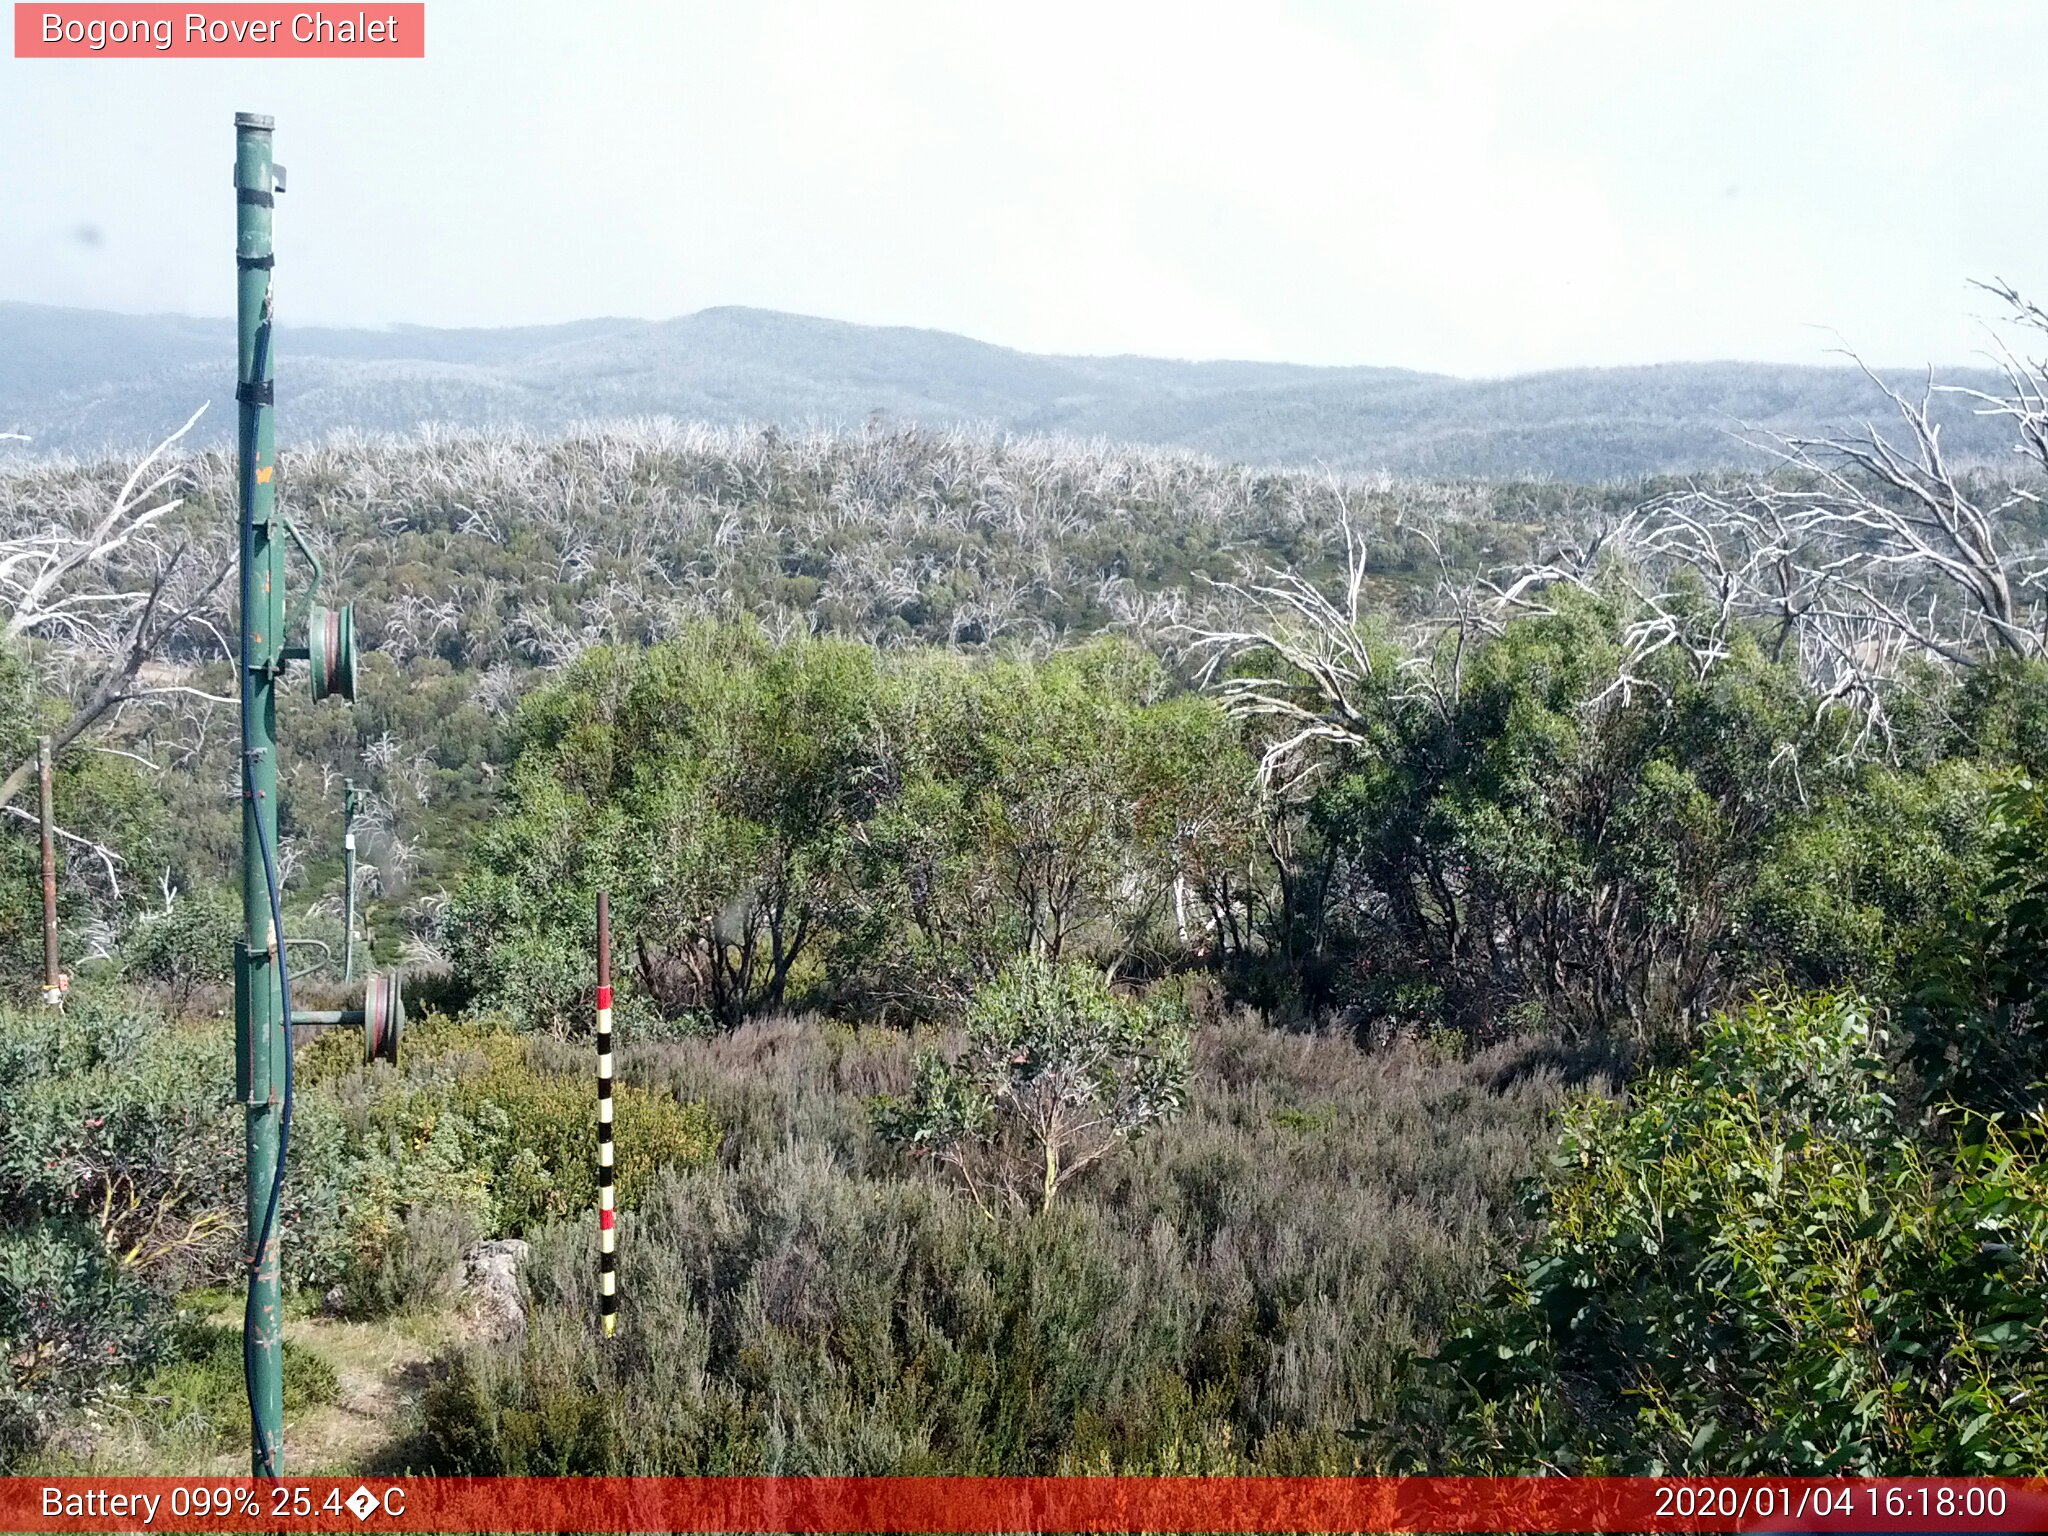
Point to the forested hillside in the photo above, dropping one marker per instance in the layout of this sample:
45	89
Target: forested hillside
1126	962
479	563
79	381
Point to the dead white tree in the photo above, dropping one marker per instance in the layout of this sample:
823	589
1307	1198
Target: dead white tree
1326	666
1860	555
1328	670
102	594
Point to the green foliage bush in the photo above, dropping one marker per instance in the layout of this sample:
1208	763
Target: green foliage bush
2001	713
1056	1073
1814	1246
413	1264
1540	831
549	1169
114	1129
73	1322
1973	1011
875	831
712	784
1077	808
1853	890
119	1121
189	947
400	1170
1751	1268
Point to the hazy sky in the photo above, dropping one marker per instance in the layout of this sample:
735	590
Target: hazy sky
1470	188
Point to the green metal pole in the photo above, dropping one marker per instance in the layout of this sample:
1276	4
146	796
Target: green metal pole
349	801
259	1022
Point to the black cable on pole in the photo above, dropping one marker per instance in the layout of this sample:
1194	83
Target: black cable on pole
284	1124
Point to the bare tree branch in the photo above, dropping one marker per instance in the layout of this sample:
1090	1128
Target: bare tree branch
109	860
101	594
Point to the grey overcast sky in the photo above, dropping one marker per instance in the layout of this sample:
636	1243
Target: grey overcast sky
1472	188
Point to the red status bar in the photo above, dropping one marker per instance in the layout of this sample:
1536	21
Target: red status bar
932	1504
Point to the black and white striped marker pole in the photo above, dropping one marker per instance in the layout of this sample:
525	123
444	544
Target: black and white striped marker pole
607	1215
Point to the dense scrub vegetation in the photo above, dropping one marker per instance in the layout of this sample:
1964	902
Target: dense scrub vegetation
1226	1295
1089	996
1754	1267
813	820
477	564
116	1132
1820	1244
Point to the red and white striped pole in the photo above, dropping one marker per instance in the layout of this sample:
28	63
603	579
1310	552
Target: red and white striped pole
607	1215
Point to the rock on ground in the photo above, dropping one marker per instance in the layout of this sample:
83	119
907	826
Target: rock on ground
492	1298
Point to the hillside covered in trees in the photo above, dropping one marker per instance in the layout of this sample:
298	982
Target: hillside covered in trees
1128	962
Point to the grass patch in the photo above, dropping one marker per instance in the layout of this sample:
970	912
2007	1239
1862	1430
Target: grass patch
204	1380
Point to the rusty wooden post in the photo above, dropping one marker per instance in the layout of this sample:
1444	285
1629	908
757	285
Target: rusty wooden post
53	984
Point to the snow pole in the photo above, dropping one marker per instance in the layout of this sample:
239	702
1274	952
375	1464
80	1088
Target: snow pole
607	1214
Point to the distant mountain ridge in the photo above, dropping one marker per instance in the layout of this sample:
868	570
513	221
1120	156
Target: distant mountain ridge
81	381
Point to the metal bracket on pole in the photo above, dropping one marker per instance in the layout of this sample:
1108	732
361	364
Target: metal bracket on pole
255	1019
381	1018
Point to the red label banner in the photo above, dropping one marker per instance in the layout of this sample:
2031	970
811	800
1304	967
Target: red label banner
102	31
934	1504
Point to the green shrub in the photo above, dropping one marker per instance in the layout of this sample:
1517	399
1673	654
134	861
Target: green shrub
114	1118
114	1133
72	1323
472	1136
546	1164
1554	821
1057	1071
2002	713
1849	893
90	1032
417	1267
189	947
712	784
1750	1269
1974	1018
811	819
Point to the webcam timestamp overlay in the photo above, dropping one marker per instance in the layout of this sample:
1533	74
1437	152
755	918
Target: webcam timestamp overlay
976	1504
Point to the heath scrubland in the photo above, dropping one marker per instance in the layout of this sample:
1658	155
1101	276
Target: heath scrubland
1124	962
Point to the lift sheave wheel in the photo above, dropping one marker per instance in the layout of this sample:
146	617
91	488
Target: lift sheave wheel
383	1017
331	650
